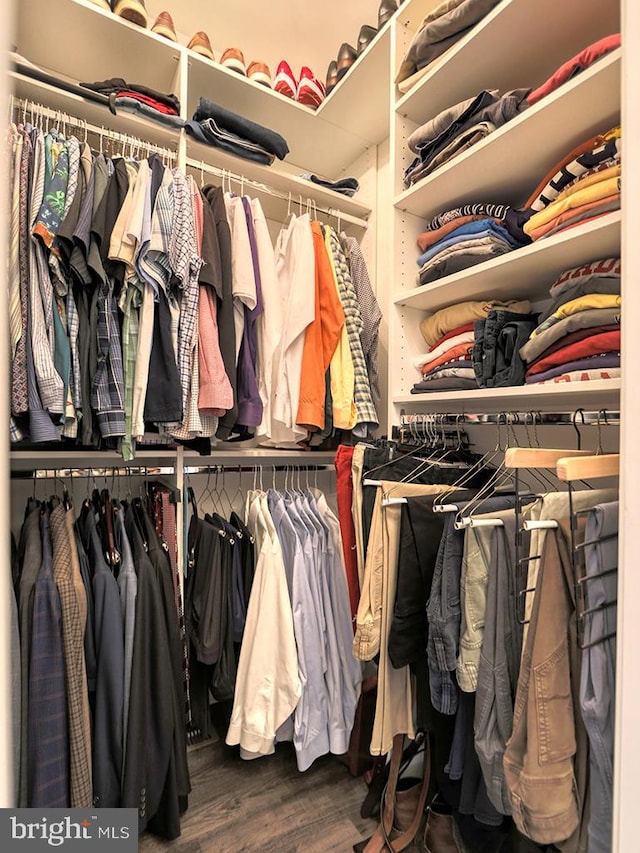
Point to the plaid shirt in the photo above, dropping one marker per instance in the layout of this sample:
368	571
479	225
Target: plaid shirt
365	410
107	392
370	311
50	385
107	389
157	265
186	267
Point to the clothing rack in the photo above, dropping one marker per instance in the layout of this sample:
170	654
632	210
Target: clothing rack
206	469
59	473
530	418
309	204
135	144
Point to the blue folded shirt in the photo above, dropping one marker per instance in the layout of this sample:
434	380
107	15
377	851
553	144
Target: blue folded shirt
469	231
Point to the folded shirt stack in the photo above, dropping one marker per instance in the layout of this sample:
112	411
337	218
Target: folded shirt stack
441	29
569	69
578	337
585	184
461	238
344	186
451	336
214	125
457	128
139	99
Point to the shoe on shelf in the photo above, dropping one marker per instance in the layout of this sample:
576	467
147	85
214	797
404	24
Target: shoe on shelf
104	4
310	89
164	26
200	44
285	82
332	76
233	59
347	55
131	10
365	37
385	11
259	73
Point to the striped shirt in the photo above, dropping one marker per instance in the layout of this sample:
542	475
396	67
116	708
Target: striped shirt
366	416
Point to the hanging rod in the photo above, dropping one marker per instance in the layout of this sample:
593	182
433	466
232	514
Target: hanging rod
309	203
299	466
136	143
88	473
579	418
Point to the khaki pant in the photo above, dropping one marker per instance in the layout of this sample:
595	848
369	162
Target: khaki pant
394	702
546	758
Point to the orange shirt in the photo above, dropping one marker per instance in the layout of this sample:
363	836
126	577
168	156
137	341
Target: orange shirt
321	338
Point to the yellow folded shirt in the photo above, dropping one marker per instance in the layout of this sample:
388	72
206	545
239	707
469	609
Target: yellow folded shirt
582	303
580	196
588	181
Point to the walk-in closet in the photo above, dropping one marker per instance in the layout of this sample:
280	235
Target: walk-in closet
320	471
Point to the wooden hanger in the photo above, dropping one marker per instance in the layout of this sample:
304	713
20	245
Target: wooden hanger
538	457
588	467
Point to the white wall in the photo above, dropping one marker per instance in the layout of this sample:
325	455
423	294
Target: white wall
627	753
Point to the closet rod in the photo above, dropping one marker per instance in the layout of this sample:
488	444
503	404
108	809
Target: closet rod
27	106
299	466
201	166
530	418
59	473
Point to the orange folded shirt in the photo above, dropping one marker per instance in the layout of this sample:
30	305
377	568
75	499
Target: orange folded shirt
429	238
450	355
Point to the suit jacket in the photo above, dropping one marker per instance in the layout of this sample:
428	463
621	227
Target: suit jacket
109	645
162	566
81	598
29	560
74	668
48	732
149	781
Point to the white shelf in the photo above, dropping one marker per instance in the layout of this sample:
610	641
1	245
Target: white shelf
319	140
351	210
258	456
93	112
59	459
87	44
526	273
519	43
509	163
362	94
598	393
78	39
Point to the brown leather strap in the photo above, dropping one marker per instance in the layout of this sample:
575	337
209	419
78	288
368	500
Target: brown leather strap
378	841
404	840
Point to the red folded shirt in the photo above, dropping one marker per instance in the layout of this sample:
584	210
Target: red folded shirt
452	334
593	345
145	99
575	337
574	65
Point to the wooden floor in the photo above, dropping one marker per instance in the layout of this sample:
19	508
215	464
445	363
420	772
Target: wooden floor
267	805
